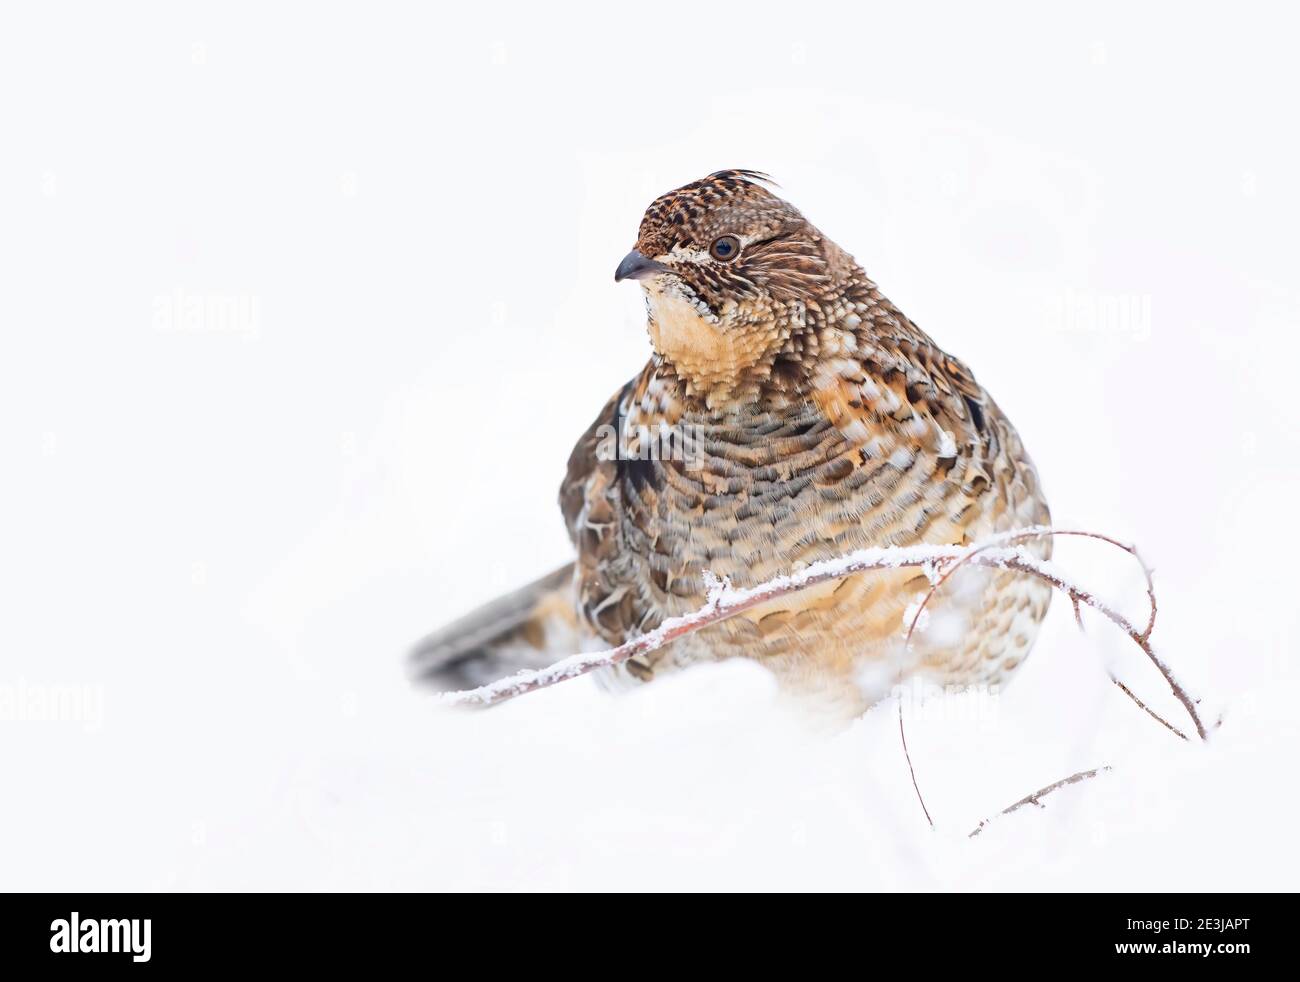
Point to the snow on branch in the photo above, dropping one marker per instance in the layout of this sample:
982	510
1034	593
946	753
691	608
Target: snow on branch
724	601
1035	798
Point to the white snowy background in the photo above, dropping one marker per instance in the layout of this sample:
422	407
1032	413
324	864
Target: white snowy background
219	534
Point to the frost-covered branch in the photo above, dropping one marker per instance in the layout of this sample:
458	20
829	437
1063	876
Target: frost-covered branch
1033	799
724	601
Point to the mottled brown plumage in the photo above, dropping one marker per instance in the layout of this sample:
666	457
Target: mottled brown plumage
824	421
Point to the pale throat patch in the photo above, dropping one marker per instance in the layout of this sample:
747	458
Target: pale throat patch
702	352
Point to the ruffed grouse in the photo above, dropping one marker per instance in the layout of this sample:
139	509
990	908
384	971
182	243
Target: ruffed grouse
806	417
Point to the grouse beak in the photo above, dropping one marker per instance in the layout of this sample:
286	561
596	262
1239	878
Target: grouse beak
637	267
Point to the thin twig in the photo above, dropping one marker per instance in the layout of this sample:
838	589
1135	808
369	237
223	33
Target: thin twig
1140	638
1029	564
902	735
1151	712
1033	799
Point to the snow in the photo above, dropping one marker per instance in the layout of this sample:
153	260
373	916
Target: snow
224	538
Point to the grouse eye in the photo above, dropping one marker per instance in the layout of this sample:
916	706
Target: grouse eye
725	248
